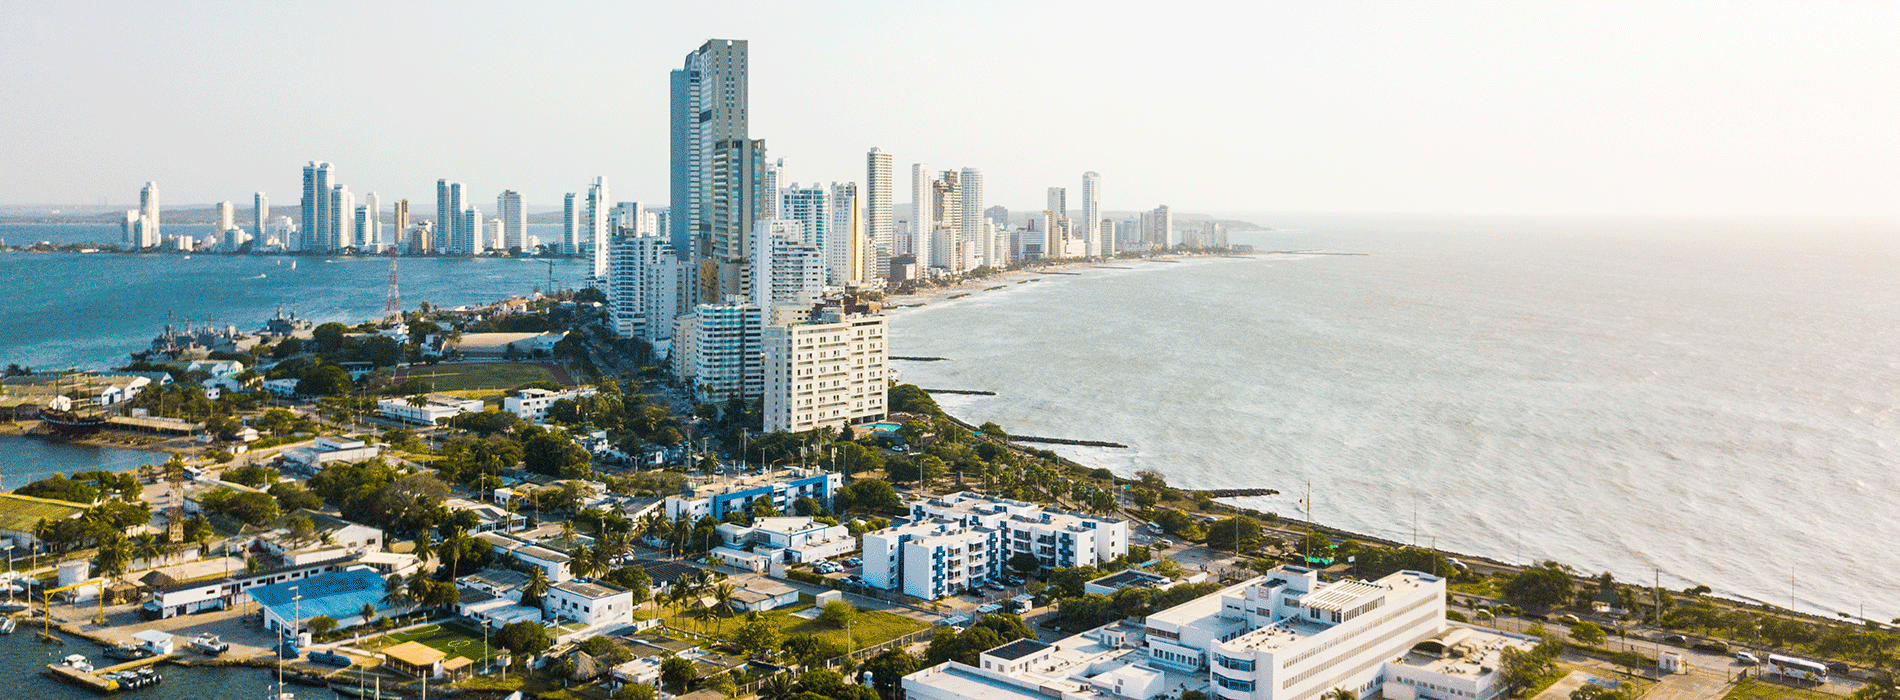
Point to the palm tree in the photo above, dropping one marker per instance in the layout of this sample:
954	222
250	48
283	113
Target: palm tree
1340	694
369	613
537	585
722	599
778	687
583	561
452	544
567	534
394	593
425	548
147	547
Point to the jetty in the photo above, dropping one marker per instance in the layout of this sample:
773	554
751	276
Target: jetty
1236	493
920	359
1066	441
110	679
965	392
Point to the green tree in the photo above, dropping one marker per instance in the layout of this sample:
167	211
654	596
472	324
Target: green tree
325	380
523	638
1588	634
1882	686
1629	660
678	673
1592	691
635	691
1544	586
1024	563
322	625
838	614
1234	534
888	670
329	336
757	637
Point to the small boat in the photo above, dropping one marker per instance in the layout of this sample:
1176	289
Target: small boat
210	644
76	662
13	606
126	652
8	625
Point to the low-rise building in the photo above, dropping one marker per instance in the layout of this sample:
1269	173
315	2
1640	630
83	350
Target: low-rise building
325	450
589	603
339	595
281	388
1056	537
223	592
789	540
333	538
532	404
759	594
490	518
781	488
432	408
551	563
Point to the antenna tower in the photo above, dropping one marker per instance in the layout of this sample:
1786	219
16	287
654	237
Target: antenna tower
392	307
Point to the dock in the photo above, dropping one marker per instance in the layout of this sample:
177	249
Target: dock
966	392
82	679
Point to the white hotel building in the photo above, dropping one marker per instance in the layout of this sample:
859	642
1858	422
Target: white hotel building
829	372
1282	636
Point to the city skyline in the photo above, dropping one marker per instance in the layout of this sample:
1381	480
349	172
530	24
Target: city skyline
1625	109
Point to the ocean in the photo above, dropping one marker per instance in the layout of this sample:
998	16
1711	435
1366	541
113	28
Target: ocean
1712	402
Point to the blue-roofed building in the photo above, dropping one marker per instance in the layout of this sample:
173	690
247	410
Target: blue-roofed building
338	594
781	488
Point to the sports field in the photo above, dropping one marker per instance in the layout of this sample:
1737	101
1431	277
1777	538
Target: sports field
479	376
21	513
453	639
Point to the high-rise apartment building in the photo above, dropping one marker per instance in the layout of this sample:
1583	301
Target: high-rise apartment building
1161	234
709	108
514	220
570	225
1105	236
879	226
972	240
470	227
772	183
400	234
647	289
922	198
1091	212
830	371
846	249
811	208
947	249
716	351
360	228
340	220
260	215
737	194
445	214
370	237
458	236
785	270
594	225
317	181
1059	201
227	217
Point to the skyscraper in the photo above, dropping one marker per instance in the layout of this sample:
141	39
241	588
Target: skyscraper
921	206
316	206
736	196
772	186
1105	236
514	220
1162	234
709	108
456	237
570	225
785	269
846	248
227	217
811	208
148	230
877	213
947	248
370	239
1092	212
1059	201
339	220
469	228
444	215
973	242
260	213
400	236
595	226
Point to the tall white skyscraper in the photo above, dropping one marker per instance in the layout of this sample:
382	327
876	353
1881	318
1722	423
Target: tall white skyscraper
260	213
1092	212
514	220
709	107
922	227
370	238
811	208
470	228
879	228
647	289
497	237
317	181
1059	201
340	219
595	226
227	217
1163	232
359	227
845	246
445	214
946	217
399	231
772	188
457	238
970	181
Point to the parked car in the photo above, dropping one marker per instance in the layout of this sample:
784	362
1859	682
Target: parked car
1675	639
1747	658
1568	619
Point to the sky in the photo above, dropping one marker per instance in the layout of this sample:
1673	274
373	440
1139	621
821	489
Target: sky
1587	108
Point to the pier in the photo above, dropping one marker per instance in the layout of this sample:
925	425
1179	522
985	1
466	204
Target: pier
965	392
1066	441
920	359
1236	493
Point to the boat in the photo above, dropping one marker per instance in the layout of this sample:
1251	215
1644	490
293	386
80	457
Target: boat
127	652
8	625
77	662
363	693
210	644
13	606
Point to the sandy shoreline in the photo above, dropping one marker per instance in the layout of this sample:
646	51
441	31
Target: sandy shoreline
967	287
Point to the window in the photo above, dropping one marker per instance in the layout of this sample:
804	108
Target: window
1233	683
1229	662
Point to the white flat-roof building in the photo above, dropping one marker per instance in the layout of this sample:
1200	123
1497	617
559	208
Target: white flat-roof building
492	518
1056	537
782	487
591	604
435	407
1282	636
325	450
829	372
532	404
552	563
790	540
933	558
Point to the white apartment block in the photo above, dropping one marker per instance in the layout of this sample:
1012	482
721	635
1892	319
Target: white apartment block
647	289
1056	537
1282	636
716	351
790	540
591	604
830	372
781	488
933	558
785	268
434	407
532	404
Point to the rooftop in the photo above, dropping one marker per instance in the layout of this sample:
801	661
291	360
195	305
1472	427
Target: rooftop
414	654
1130	578
1340	595
1462	651
1017	649
338	594
587	589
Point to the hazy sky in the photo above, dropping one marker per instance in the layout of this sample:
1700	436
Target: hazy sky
1596	107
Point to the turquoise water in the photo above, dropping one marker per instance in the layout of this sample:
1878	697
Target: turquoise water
26	459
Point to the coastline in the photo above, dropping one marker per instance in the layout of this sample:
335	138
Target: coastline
962	288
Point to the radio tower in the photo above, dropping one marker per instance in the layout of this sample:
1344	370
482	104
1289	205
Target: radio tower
392	307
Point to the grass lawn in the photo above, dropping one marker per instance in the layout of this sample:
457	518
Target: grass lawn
872	626
1754	689
495	376
453	639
